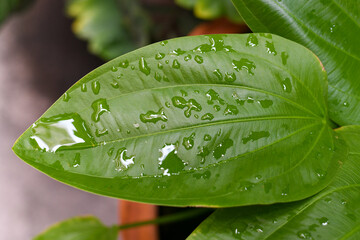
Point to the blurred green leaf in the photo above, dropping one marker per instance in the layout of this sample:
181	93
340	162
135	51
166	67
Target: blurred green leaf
212	9
79	228
9	6
112	27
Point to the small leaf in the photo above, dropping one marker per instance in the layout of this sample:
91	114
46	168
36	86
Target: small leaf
331	29
108	25
147	139
79	228
334	213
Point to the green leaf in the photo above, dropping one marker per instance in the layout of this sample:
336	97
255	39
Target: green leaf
79	228
108	25
211	9
334	213
9	6
218	120
331	29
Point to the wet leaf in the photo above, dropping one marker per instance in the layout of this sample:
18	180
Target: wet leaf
331	29
108	25
218	120
334	213
79	228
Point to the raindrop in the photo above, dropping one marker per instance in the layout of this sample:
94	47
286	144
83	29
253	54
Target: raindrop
266	103
154	117
270	48
169	161
188	142
159	56
163	43
176	64
286	85
218	74
66	97
100	133
244	63
177	52
207	116
124	64
203	153
122	161
76	162
99	107
231	110
190	105
83	87
284	57
255	135
214	96
187	57
252	41
324	221
157	76
144	68
230	77
220	150
115	85
61	132
114	69
207	137
199	59
95	86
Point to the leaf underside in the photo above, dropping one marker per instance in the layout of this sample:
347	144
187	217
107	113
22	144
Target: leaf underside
218	120
331	29
334	213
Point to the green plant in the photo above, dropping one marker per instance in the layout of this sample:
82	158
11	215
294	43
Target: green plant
223	121
211	9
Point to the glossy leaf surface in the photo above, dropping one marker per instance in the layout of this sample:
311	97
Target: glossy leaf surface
108	25
219	120
79	228
334	213
331	29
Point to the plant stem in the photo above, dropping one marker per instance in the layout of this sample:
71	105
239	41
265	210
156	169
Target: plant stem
177	217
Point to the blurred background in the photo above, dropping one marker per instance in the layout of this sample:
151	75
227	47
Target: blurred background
45	47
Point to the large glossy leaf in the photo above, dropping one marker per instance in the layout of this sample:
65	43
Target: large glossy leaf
220	120
334	213
9	6
108	25
329	28
79	228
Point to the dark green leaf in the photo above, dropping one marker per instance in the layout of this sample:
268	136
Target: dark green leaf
79	228
9	6
334	213
331	29
108	25
218	120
